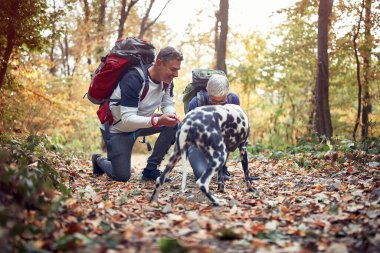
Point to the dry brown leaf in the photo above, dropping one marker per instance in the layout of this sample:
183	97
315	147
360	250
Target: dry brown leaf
284	209
74	228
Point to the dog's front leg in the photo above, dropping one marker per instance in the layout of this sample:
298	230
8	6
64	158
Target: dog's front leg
156	191
221	180
184	173
159	182
244	163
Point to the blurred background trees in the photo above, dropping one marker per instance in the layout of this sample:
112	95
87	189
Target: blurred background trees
50	48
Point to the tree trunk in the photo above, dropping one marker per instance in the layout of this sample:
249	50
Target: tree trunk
11	35
64	46
358	78
102	16
222	40
367	105
323	117
100	36
67	54
145	20
53	68
311	118
124	15
216	36
86	30
144	26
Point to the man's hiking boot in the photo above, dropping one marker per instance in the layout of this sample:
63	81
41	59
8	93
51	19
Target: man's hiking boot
96	170
152	173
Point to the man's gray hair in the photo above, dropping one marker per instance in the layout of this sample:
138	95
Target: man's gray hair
169	53
218	85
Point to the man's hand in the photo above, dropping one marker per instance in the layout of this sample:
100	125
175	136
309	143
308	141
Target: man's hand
167	119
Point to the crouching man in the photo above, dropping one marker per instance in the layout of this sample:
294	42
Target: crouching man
135	117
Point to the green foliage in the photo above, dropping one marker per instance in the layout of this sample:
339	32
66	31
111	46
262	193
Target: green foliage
29	182
339	149
227	234
171	245
29	20
308	151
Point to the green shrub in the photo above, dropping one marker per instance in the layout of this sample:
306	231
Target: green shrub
29	182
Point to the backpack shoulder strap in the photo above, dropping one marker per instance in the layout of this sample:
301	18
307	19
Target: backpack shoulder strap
229	98
201	98
143	73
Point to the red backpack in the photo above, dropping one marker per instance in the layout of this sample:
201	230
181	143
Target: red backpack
126	54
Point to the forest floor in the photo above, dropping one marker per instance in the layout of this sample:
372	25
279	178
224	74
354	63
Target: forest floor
321	206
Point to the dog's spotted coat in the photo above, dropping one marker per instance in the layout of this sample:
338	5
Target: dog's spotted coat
217	131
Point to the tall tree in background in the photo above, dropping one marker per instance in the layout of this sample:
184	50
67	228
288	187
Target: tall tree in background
124	15
366	51
368	45
323	117
358	76
221	35
100	28
56	30
86	30
21	27
145	25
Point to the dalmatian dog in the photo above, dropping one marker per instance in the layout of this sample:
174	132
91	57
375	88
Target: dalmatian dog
217	131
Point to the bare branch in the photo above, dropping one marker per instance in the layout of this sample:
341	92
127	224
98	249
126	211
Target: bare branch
124	15
144	26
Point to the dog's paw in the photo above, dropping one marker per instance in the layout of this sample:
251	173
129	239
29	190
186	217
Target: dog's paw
154	197
220	202
221	189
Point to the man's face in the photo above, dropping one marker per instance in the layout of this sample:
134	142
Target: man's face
169	70
217	100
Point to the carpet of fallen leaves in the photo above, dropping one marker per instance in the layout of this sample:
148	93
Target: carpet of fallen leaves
324	207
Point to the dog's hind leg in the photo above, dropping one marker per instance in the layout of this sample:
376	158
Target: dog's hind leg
244	163
173	160
220	179
204	181
184	172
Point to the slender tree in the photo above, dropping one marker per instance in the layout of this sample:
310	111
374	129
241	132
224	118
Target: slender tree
145	25
358	76
100	28
323	117
53	68
86	30
221	37
124	15
367	105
